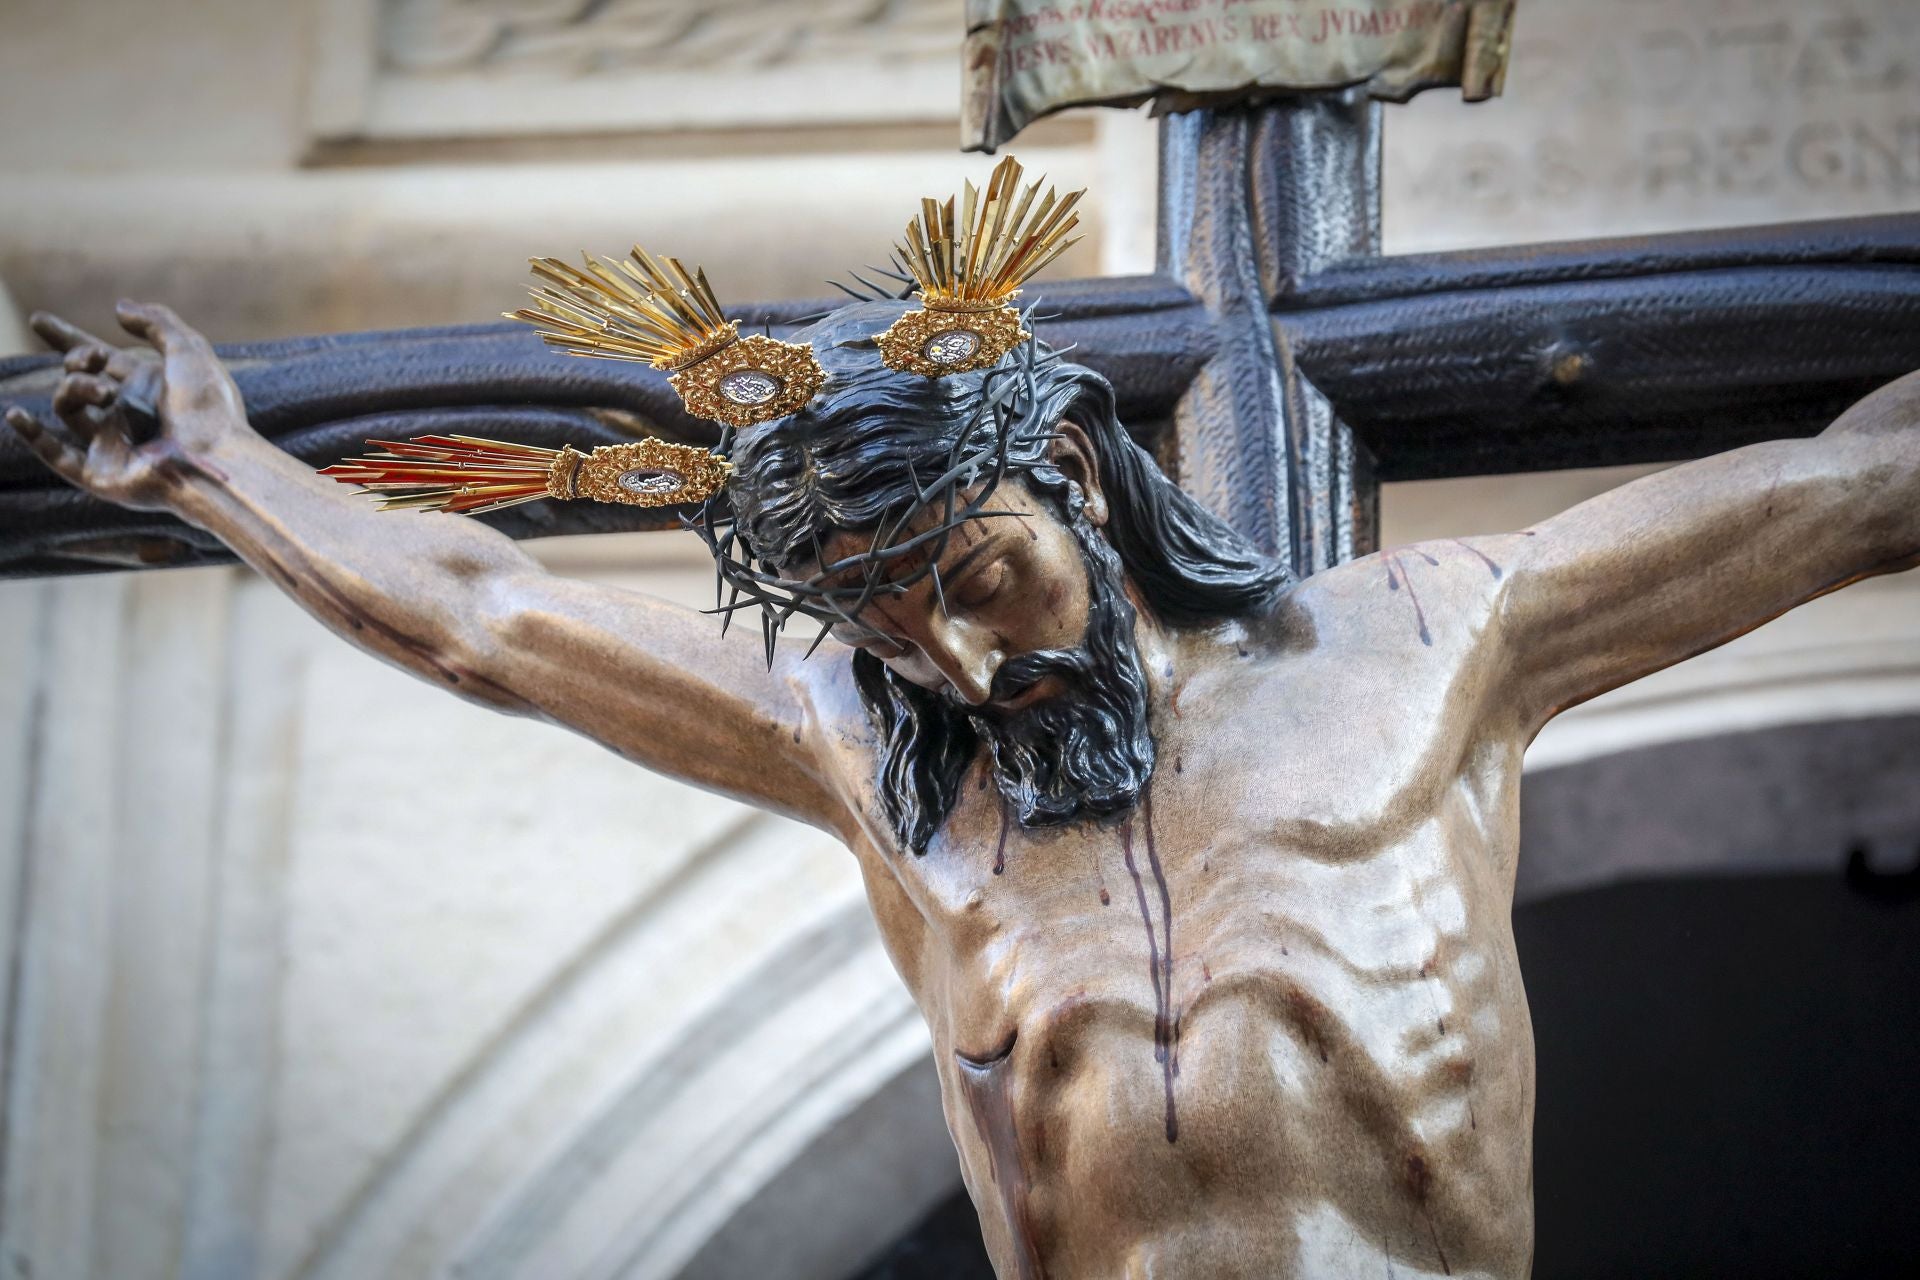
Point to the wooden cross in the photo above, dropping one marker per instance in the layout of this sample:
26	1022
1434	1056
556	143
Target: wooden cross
1278	366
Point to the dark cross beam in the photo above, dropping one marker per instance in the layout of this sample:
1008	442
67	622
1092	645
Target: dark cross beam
1275	363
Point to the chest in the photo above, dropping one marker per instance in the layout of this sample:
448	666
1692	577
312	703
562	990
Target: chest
1356	899
1339	790
1323	761
1165	997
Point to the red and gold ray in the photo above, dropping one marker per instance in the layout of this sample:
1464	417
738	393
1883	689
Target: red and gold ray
462	474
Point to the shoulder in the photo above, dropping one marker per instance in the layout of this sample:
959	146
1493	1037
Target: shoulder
1441	595
835	727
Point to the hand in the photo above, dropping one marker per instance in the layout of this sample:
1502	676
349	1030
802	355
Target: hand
109	397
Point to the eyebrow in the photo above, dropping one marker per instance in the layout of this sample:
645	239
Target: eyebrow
973	553
916	566
953	573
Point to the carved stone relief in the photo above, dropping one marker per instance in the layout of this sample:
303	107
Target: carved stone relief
424	68
596	37
1649	115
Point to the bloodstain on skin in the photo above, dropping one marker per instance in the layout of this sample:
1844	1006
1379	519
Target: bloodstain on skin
1419	1176
358	619
280	571
1159	965
1099	876
1166	954
177	463
1485	559
1310	1016
1000	850
1396	578
986	1084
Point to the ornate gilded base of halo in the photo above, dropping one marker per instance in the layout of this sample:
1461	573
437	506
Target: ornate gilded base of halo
469	475
936	341
753	380
646	473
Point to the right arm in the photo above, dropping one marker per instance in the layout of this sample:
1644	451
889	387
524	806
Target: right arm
447	598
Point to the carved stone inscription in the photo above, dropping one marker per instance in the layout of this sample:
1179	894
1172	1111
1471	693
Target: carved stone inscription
1644	115
496	68
588	37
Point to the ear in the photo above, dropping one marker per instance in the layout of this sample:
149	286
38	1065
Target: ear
1073	454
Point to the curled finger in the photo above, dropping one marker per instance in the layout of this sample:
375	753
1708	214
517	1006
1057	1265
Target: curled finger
88	357
80	399
65	460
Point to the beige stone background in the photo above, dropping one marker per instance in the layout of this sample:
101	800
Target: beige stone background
308	974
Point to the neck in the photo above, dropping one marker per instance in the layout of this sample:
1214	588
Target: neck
1160	648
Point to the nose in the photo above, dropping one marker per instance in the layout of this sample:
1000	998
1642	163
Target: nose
965	656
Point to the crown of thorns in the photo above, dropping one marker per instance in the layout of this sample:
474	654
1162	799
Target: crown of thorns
966	265
1001	436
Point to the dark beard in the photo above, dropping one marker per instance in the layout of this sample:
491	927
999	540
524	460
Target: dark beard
1087	750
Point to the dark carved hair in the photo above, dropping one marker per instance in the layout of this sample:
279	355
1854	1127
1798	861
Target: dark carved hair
863	452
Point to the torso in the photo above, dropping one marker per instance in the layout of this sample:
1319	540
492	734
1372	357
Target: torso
1271	1024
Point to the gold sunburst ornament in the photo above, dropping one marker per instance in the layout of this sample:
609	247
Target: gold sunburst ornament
970	267
656	311
467	475
968	264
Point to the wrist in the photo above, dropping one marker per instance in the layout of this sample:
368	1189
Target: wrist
196	480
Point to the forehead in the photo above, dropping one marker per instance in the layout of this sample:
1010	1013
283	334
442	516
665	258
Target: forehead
944	551
1010	508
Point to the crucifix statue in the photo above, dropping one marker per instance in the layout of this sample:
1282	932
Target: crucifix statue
1191	826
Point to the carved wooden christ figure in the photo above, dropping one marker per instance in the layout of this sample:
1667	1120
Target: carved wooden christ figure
1201	876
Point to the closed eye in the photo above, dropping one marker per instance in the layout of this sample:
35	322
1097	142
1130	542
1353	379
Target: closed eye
981	586
876	643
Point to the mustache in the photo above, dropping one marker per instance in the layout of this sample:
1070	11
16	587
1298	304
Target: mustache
1019	674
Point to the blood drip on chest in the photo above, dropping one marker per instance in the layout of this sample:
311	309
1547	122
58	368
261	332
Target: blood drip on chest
1166	1026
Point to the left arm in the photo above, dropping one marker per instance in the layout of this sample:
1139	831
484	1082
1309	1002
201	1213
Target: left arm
1676	563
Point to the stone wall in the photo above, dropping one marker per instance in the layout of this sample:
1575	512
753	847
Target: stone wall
1630	116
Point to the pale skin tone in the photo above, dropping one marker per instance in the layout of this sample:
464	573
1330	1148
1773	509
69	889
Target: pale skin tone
1309	915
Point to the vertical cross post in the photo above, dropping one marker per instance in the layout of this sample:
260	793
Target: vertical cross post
1253	202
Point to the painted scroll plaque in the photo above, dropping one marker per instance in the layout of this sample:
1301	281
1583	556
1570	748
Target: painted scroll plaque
1026	58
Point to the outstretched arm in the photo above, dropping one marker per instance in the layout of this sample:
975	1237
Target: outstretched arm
444	597
1678	562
